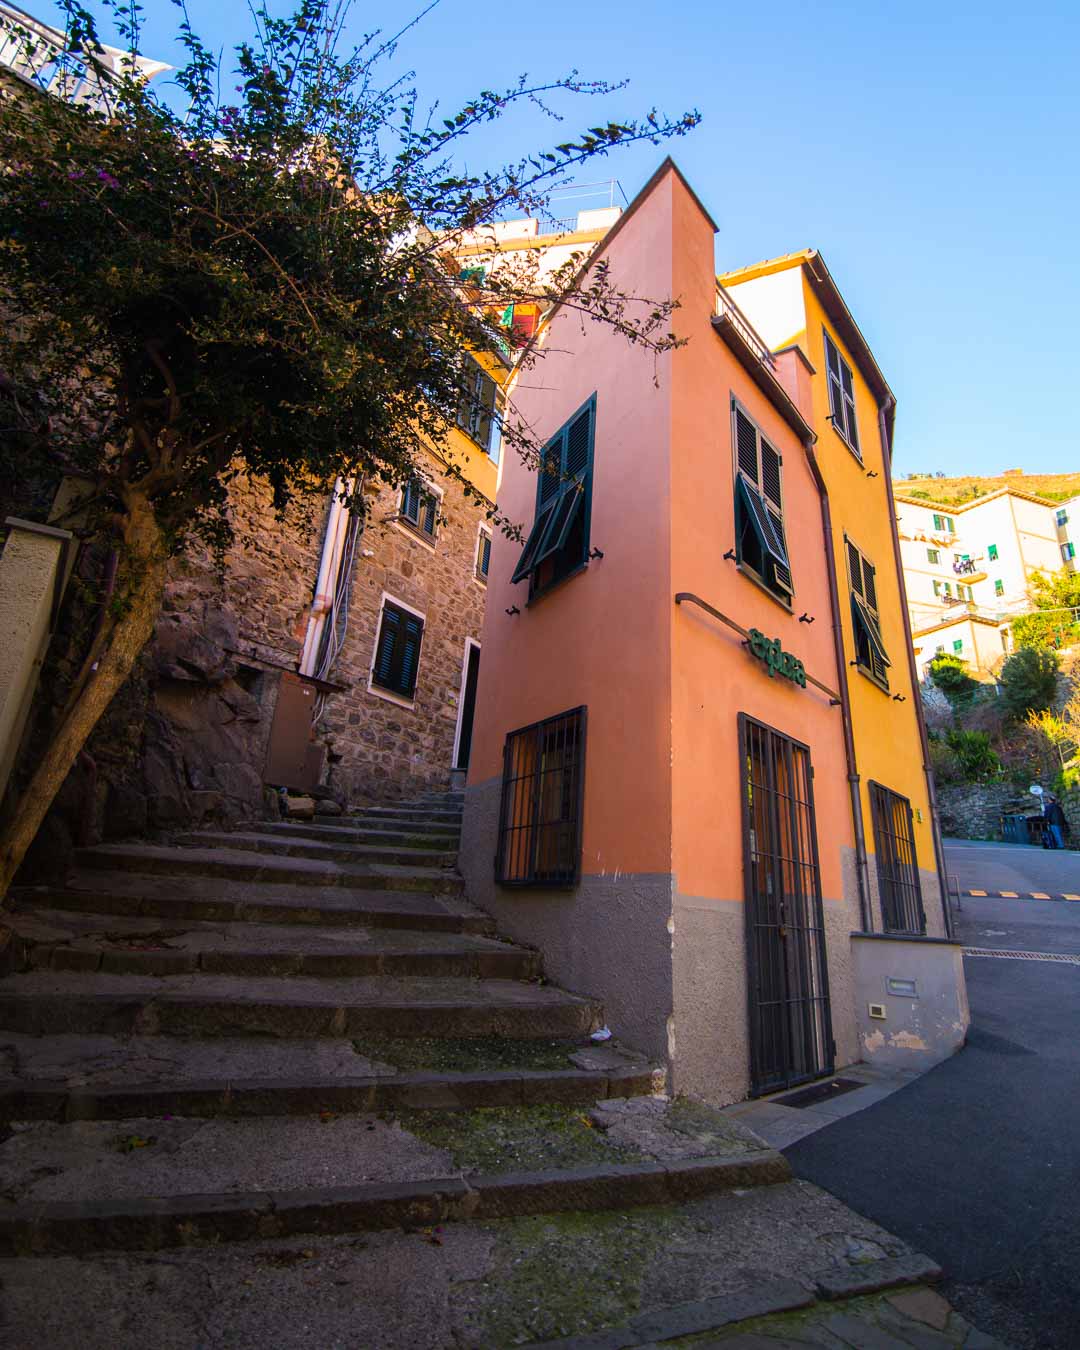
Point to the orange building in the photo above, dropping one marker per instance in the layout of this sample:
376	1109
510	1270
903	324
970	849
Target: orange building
659	787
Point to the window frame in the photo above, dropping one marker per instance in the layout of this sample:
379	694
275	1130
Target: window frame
849	432
898	913
427	490
387	692
866	617
759	499
933	555
1061	517
507	871
992	553
480	574
472	409
1068	551
539	545
999	586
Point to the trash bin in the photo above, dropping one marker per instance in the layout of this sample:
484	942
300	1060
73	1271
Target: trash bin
1014	829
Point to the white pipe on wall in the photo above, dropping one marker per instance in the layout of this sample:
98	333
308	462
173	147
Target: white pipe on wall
337	524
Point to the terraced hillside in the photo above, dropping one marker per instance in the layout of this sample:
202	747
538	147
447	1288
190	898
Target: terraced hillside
1055	487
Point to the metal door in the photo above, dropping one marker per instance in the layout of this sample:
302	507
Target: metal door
790	1021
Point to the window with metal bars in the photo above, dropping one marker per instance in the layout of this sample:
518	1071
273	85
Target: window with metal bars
760	543
397	650
483	554
790	1020
420	508
870	654
558	543
543	792
897	864
841	396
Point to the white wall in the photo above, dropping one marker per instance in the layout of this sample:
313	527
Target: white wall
774	305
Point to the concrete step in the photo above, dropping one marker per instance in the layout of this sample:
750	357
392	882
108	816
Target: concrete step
49	1003
81	1077
240	865
323	829
223	899
321	850
66	941
421	815
145	1182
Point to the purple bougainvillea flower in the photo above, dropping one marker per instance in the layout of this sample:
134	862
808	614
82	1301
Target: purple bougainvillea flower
106	177
76	174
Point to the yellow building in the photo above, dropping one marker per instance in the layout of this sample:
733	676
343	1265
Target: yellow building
793	302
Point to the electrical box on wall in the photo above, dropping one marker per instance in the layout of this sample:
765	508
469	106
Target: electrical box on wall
877	1010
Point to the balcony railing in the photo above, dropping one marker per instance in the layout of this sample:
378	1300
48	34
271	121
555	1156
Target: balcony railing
728	309
38	55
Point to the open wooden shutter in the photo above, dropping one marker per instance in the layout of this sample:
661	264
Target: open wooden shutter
746	446
384	657
411	637
836	390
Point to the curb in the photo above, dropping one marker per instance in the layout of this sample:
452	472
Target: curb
766	1299
152	1224
278	1097
1019	895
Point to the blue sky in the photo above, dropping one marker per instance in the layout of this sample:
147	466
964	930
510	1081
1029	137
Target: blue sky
931	153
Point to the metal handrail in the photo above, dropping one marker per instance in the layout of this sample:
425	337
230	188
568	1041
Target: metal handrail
690	598
727	307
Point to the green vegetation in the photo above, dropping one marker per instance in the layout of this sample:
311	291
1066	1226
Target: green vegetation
950	673
1055	487
515	1138
478	1054
1057	622
1029	681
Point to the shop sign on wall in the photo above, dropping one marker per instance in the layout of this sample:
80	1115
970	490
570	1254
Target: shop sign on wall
775	659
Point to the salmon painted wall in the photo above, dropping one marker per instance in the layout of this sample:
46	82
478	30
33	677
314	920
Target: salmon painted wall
714	678
886	732
602	638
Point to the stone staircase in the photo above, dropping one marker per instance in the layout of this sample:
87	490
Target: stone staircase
307	1028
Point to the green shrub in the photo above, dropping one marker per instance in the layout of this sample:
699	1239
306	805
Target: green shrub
975	756
1029	681
950	674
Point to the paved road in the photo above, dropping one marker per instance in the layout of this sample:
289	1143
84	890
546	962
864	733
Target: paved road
1012	867
978	1162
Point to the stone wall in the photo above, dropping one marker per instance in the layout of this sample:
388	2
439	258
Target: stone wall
185	742
974	811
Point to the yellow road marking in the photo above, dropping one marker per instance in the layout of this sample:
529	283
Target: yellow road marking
976	892
1009	895
1067	896
1039	895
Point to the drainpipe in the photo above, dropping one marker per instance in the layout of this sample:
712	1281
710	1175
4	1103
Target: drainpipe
931	790
845	698
336	525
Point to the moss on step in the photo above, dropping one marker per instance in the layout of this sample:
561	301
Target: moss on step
565	1274
516	1138
474	1055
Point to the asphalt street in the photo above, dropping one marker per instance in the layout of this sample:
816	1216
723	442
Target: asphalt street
978	1161
1012	867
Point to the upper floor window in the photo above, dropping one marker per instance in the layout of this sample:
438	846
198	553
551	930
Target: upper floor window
999	586
397	650
958	644
932	555
558	543
870	655
760	544
992	553
477	413
1068	552
841	395
420	508
483	553
944	523
1062	517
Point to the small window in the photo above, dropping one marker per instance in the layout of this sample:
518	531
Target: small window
937	587
992	553
397	651
477	413
946	586
932	555
1068	552
958	645
420	508
944	523
897	864
542	797
841	396
558	543
760	543
999	586
939	650
1062	517
483	554
870	655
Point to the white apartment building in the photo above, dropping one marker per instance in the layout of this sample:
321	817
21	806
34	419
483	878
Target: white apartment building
967	569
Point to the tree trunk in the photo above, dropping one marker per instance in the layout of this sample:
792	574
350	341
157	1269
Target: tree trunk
144	561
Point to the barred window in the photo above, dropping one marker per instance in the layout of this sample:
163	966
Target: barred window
897	865
542	800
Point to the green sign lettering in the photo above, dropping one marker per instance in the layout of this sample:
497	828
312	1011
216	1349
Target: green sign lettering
775	659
